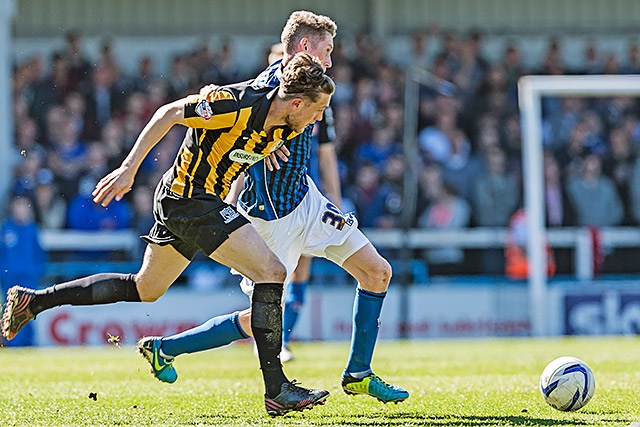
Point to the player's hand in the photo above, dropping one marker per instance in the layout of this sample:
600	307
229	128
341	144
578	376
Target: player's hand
114	186
272	159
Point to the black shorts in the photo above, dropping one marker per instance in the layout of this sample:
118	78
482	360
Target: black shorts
199	223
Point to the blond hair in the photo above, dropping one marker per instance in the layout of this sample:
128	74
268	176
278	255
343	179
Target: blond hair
303	23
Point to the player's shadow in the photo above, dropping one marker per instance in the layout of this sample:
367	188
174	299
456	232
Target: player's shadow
413	419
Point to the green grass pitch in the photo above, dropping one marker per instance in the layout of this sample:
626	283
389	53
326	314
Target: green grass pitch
484	382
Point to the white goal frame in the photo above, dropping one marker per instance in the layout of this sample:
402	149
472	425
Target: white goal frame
531	89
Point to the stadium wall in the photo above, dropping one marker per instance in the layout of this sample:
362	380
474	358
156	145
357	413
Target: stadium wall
381	17
463	310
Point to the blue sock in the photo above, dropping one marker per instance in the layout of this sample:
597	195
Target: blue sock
214	333
366	322
292	307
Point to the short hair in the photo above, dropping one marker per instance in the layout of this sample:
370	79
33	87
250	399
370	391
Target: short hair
304	76
301	24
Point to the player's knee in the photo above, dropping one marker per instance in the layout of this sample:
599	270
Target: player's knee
272	271
378	276
146	290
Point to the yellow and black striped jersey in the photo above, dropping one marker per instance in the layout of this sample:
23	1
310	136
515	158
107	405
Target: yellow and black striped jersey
226	135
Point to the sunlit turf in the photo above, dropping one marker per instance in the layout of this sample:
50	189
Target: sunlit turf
491	382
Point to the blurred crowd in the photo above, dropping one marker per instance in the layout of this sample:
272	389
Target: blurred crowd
76	117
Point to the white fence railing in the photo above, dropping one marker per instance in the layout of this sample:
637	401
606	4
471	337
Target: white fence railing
576	238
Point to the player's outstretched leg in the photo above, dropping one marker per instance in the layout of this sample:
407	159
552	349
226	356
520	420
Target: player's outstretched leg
373	385
161	367
24	304
17	312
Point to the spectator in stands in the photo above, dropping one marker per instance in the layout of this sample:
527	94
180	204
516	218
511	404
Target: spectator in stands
343	77
228	71
67	158
511	138
496	194
103	99
133	116
49	91
634	190
26	175
157	96
346	143
631	123
76	60
445	211
558	210
632	65
473	66
96	164
591	61
392	190
56	116
389	84
614	111
449	53
445	142
420	55
366	108
492	94
26	142
113	142
181	78
581	141
611	64
84	214
49	206
75	106
145	74
618	164
594	196
365	59
433	96
553	62
393	117
496	197
513	68
365	195
562	123
22	259
108	60
379	148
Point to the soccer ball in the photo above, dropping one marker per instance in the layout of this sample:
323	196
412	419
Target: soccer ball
567	383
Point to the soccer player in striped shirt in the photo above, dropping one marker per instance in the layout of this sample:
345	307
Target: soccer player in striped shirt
287	209
229	129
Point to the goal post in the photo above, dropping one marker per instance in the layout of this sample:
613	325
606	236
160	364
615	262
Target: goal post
531	89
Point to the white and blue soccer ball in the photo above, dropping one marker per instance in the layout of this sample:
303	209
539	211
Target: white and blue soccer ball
567	383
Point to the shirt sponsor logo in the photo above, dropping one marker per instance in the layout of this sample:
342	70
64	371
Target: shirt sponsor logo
242	156
203	109
229	214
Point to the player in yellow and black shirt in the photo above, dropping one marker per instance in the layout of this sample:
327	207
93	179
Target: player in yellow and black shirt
229	130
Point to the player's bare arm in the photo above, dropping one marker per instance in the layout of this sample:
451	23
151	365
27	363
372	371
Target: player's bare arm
120	181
